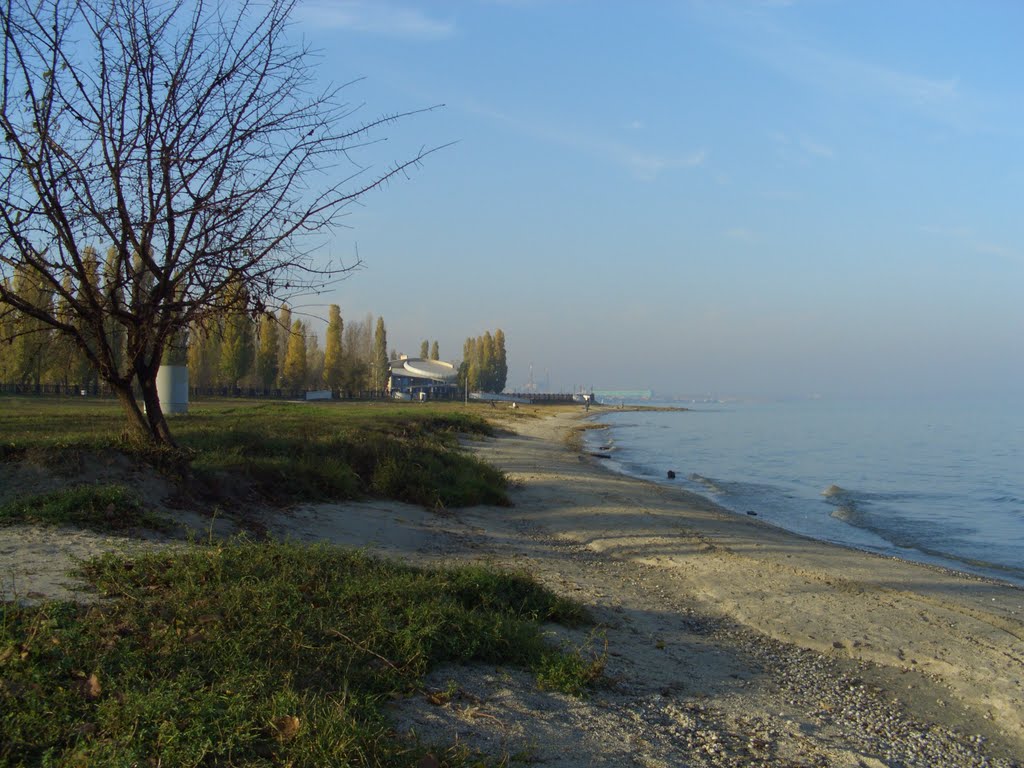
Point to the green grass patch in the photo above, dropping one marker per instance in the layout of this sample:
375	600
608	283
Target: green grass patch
97	507
256	654
280	452
571	669
292	452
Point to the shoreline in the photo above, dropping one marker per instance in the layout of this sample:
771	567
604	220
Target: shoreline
686	495
961	634
950	564
726	641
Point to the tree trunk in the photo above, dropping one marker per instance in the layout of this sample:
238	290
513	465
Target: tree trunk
146	423
156	420
138	425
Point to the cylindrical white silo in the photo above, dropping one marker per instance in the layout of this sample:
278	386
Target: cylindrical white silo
172	388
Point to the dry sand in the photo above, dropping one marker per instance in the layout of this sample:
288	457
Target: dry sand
728	642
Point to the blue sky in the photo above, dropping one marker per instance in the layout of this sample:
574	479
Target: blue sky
760	198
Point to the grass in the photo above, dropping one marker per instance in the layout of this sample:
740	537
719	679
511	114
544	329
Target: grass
294	452
259	654
97	507
279	452
244	653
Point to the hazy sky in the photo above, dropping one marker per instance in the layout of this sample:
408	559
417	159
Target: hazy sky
741	197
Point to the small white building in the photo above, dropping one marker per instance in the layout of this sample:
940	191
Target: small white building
416	378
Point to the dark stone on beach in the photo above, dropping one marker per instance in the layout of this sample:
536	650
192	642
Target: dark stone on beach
671	475
752	513
601	455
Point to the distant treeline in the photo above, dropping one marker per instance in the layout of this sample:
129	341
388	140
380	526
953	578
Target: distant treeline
272	351
484	363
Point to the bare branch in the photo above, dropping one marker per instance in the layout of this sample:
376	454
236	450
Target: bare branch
189	138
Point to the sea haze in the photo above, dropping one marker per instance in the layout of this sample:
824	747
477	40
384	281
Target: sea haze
932	481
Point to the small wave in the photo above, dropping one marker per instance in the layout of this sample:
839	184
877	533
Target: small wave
846	514
1005	500
736	492
707	482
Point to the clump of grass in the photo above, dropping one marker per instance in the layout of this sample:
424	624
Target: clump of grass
572	669
96	507
292	454
246	654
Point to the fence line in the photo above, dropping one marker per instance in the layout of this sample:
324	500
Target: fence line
249	393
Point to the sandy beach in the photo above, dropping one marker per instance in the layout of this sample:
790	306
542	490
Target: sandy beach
728	642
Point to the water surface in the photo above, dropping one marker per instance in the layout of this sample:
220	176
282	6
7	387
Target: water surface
931	481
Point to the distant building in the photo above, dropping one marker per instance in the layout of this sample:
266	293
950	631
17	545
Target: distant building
605	395
415	378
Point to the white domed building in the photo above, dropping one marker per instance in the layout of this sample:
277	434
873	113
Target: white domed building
416	378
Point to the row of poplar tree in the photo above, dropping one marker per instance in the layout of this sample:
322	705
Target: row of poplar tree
273	351
279	351
484	363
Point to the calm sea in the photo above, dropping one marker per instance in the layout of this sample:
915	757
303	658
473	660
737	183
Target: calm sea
935	482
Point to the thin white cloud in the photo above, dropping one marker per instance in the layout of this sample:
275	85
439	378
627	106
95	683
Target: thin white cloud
785	147
940	99
758	32
994	249
644	165
946	231
375	18
812	147
970	241
647	166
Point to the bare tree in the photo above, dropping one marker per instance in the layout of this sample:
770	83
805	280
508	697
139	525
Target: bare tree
189	138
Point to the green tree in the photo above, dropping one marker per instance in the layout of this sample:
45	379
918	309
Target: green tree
113	290
64	356
31	337
424	349
485	350
435	352
266	353
293	372
357	351
484	364
333	362
314	359
237	349
284	331
469	371
88	375
203	356
380	356
500	361
6	342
